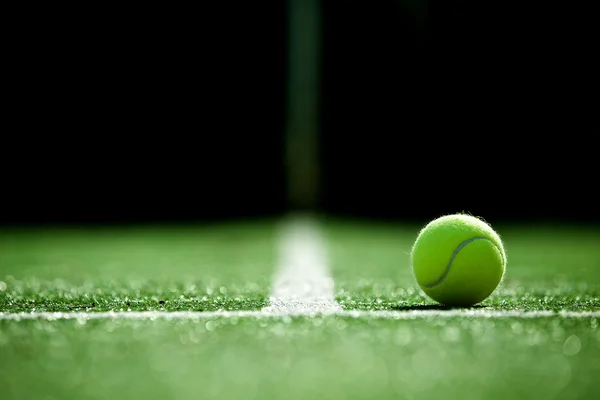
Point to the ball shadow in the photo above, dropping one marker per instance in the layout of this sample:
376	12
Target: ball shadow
431	307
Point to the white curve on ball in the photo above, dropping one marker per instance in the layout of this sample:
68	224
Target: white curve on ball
456	251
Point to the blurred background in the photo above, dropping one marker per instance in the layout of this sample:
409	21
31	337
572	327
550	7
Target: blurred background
386	110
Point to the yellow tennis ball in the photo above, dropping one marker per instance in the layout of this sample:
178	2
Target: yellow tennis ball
458	260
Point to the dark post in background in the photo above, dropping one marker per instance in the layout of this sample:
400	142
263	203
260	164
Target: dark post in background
425	108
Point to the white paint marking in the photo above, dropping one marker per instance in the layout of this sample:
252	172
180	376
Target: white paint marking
302	281
302	288
384	314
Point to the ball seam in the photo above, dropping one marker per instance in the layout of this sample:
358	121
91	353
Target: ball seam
454	254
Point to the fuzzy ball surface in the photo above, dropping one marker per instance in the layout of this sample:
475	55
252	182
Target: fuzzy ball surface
458	260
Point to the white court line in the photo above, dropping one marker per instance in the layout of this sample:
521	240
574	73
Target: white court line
383	314
302	280
302	287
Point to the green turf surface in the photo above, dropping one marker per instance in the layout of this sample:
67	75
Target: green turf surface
549	268
230	266
226	266
301	358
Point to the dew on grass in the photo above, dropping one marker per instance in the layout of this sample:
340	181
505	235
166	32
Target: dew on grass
516	327
572	345
194	336
211	325
536	337
184	338
558	333
279	329
450	334
402	337
341	324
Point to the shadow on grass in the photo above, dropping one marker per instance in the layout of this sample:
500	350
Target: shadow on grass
431	307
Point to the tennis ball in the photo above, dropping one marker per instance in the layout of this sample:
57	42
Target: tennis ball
458	260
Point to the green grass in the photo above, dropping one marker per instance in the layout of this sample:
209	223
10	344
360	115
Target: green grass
229	266
549	268
301	358
217	267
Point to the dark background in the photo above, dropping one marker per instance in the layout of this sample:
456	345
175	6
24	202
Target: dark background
145	115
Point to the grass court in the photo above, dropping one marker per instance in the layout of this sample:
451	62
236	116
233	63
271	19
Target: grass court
195	294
